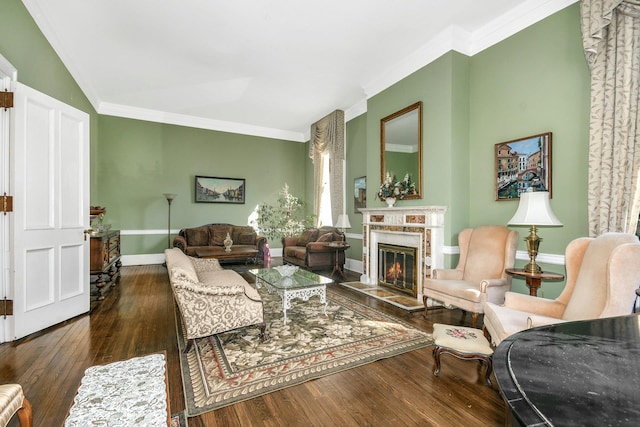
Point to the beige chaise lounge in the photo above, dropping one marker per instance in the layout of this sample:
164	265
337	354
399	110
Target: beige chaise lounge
211	299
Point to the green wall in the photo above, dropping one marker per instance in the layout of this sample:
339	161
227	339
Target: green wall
533	82
39	67
442	86
139	161
356	142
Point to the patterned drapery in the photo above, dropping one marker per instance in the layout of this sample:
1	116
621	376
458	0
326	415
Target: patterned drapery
327	136
611	40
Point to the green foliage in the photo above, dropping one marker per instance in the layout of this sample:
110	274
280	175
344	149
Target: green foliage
284	218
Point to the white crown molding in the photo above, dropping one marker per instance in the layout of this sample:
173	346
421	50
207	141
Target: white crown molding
454	38
515	20
119	110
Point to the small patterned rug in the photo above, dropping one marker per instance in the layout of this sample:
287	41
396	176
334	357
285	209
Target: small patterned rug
229	368
400	300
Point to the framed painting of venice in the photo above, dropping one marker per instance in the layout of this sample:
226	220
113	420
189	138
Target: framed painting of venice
522	164
211	189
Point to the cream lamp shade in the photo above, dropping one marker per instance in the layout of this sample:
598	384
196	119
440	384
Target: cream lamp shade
343	222
534	210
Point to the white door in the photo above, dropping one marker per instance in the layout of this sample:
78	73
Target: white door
50	170
8	77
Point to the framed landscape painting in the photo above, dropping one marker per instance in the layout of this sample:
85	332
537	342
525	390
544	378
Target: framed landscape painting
211	189
522	164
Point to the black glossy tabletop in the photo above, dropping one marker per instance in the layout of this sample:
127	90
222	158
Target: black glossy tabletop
578	373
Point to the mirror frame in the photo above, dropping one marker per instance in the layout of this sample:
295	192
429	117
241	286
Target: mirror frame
383	122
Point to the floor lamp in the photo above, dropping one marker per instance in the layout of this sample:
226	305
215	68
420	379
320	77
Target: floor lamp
169	197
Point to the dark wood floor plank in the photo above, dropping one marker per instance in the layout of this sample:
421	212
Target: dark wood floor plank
138	318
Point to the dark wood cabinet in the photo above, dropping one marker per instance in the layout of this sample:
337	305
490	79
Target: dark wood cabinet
105	263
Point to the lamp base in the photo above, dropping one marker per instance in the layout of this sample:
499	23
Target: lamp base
533	244
533	268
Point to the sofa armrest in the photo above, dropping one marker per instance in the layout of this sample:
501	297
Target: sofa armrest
321	247
180	243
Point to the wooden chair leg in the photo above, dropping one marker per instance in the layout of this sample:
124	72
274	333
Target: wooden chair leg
424	301
474	319
25	414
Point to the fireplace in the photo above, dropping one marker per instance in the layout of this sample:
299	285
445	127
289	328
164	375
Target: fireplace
397	268
420	228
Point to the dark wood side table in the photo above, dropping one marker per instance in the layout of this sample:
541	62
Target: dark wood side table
338	246
534	280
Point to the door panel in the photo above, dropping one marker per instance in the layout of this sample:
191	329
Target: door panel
51	207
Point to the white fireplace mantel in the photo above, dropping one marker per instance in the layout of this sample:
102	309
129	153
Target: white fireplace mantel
420	227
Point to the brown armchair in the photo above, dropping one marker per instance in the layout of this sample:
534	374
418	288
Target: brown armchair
603	274
310	250
485	252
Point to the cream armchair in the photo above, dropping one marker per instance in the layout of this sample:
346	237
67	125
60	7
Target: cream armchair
602	276
485	252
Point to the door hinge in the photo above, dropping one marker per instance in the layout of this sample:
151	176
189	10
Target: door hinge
6	99
6	203
6	307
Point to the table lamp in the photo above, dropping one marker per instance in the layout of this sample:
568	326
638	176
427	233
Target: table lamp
534	210
343	223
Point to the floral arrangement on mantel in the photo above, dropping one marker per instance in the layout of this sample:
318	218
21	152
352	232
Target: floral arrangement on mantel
392	188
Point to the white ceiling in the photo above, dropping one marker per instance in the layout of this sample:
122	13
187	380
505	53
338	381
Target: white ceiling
262	67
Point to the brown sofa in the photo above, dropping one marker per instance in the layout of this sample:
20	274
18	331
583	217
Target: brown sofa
310	250
213	235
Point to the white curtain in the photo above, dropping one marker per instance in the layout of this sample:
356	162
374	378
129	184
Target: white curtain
611	40
327	136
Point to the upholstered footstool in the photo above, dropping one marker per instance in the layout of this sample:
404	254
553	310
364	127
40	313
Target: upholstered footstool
463	343
12	400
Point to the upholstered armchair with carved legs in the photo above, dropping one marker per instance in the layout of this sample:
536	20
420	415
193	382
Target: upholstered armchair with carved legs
603	274
485	252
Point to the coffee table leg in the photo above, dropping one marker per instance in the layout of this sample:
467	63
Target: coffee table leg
286	303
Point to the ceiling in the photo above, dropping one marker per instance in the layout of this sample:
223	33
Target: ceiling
262	67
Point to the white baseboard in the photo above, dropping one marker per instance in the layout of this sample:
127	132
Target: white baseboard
145	259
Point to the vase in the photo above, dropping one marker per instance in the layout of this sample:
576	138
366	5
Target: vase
227	243
390	201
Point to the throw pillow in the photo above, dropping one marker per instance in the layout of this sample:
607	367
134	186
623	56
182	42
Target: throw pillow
180	274
241	229
326	237
218	234
197	236
307	236
247	239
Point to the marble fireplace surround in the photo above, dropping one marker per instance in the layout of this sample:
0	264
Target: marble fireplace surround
420	227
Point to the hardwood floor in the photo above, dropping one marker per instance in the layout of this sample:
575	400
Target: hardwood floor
137	318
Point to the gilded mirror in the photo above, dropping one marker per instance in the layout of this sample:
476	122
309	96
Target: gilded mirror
401	146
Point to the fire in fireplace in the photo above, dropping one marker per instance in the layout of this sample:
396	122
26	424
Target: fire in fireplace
397	268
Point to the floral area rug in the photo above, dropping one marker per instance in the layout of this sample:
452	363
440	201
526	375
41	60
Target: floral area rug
232	367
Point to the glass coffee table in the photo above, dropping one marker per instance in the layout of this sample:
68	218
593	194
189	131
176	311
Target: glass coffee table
302	284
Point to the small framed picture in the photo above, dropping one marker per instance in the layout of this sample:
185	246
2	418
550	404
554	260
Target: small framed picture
211	189
360	194
522	164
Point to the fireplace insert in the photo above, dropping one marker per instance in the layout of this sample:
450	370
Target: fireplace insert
397	268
